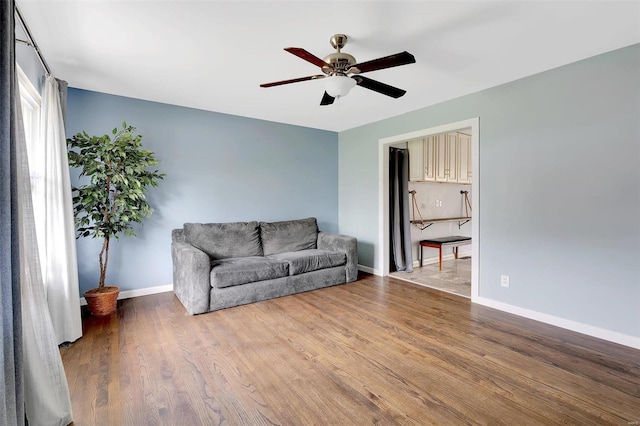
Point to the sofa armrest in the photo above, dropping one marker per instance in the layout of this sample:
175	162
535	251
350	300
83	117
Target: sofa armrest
191	277
343	243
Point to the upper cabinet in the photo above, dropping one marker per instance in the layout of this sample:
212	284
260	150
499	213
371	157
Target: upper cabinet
464	158
441	158
416	159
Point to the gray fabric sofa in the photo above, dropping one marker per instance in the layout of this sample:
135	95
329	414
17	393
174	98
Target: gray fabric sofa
220	265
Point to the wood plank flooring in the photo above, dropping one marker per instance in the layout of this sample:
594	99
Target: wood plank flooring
377	351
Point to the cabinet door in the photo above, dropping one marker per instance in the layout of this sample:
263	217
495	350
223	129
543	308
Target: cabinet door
441	158
416	158
451	157
430	158
464	158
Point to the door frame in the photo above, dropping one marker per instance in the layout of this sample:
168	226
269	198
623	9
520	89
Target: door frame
382	264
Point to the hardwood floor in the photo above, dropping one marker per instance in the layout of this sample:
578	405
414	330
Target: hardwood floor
377	351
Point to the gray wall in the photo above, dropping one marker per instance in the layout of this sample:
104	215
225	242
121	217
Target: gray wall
559	188
220	168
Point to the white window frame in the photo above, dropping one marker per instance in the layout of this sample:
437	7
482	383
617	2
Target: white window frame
31	102
31	105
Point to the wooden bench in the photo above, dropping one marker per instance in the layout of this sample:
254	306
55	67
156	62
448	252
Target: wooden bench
439	243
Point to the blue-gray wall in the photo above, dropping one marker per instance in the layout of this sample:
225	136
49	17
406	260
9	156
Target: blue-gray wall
220	168
559	188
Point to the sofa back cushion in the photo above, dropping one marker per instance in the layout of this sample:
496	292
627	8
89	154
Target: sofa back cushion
290	235
225	240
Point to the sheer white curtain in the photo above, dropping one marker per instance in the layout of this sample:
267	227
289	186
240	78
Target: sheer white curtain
54	215
46	392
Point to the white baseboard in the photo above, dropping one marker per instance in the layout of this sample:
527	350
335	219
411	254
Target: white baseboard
589	330
368	270
139	292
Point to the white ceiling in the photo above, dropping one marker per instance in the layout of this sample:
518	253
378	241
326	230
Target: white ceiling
213	55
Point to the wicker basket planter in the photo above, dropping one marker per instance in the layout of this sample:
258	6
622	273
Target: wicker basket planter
102	301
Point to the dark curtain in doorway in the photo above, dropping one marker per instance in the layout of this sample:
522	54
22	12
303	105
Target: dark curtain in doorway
399	209
11	376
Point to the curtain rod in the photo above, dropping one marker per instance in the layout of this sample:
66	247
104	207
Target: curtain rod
30	41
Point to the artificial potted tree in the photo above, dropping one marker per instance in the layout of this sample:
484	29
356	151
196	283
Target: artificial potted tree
114	170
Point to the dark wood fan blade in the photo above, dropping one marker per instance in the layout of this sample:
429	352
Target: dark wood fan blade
398	59
293	80
376	86
327	99
309	57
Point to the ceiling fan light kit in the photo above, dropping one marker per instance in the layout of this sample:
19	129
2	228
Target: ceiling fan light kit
342	72
338	85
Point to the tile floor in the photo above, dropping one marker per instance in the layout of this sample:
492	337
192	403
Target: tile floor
455	276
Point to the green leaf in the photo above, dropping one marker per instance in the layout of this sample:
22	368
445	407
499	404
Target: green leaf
112	197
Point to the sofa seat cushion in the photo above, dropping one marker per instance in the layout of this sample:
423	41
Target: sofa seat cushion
310	260
225	240
290	235
243	270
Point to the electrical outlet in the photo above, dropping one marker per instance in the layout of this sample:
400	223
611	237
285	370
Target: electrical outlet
504	281
437	201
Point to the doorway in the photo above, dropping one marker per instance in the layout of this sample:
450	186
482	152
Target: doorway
383	258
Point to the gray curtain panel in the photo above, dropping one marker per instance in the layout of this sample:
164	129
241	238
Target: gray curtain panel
399	209
63	89
11	374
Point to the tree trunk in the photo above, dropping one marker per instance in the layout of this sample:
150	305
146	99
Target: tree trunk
104	260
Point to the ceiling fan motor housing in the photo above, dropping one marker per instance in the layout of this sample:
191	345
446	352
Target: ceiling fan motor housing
340	63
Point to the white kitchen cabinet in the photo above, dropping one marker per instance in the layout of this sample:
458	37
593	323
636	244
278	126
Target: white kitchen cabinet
440	158
422	161
451	157
429	161
416	159
464	158
446	150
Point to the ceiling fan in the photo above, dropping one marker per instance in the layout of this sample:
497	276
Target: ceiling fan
342	72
